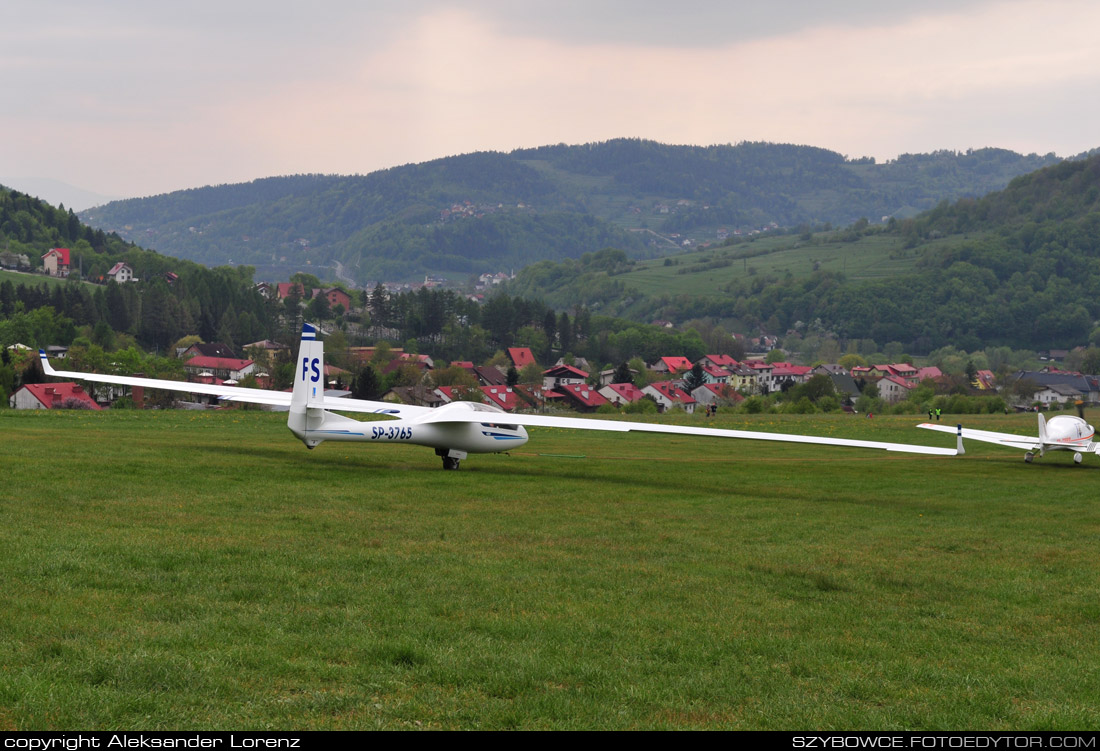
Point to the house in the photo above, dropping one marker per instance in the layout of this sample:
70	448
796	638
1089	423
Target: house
337	296
716	393
521	357
56	262
745	379
668	395
719	361
562	375
501	396
845	387
671	365
9	260
1058	393
581	396
608	376
984	380
283	290
490	375
224	368
418	395
929	372
1085	385
621	393
212	349
121	273
894	389
715	374
52	396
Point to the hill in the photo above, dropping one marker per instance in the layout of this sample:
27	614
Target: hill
487	211
1014	268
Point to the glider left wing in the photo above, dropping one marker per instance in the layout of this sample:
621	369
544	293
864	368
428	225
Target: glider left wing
239	393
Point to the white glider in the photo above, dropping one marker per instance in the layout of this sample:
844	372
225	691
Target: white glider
1061	433
453	430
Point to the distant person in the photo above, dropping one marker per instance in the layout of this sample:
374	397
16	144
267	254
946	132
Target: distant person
930	414
938	414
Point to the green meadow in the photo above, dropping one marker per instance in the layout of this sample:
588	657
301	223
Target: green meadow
182	570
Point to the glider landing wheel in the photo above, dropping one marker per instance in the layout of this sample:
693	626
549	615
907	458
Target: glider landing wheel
1028	457
449	463
1077	458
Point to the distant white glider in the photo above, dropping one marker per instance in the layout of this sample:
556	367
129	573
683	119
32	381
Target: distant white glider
453	430
1061	433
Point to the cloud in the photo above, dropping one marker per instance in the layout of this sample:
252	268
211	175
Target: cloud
137	100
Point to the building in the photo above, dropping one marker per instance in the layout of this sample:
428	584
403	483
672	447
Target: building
581	397
56	262
671	365
716	393
668	395
894	389
521	357
620	394
218	368
121	273
52	396
560	376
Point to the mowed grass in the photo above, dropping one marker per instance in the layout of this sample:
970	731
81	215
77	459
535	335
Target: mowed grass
184	570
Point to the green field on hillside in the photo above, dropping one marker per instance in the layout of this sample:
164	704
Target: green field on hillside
185	570
30	280
708	272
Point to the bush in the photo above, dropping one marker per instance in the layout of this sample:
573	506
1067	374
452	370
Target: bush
641	407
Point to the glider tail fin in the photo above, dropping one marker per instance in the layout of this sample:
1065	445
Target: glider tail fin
959	450
309	381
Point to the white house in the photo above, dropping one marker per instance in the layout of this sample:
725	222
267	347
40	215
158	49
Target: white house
121	273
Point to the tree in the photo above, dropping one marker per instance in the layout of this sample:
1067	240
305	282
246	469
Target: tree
318	309
623	374
695	378
366	385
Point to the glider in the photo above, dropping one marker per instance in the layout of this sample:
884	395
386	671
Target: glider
453	430
1060	433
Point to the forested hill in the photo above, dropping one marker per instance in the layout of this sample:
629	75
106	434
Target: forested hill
1019	268
489	211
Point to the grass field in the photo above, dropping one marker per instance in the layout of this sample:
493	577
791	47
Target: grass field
184	570
710	271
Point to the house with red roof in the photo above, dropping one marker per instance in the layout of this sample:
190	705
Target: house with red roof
671	365
56	262
668	395
719	361
521	357
716	393
715	374
504	397
337	296
284	289
621	393
562	375
894	389
985	380
581	396
121	273
52	396
929	372
223	368
785	374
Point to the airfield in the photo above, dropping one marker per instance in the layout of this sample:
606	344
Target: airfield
183	570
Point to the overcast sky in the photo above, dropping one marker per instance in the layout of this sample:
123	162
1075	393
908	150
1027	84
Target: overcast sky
131	98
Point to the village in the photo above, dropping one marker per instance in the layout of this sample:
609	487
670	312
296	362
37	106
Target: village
513	380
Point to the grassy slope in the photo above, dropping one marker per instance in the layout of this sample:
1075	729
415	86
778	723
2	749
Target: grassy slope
873	257
183	570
